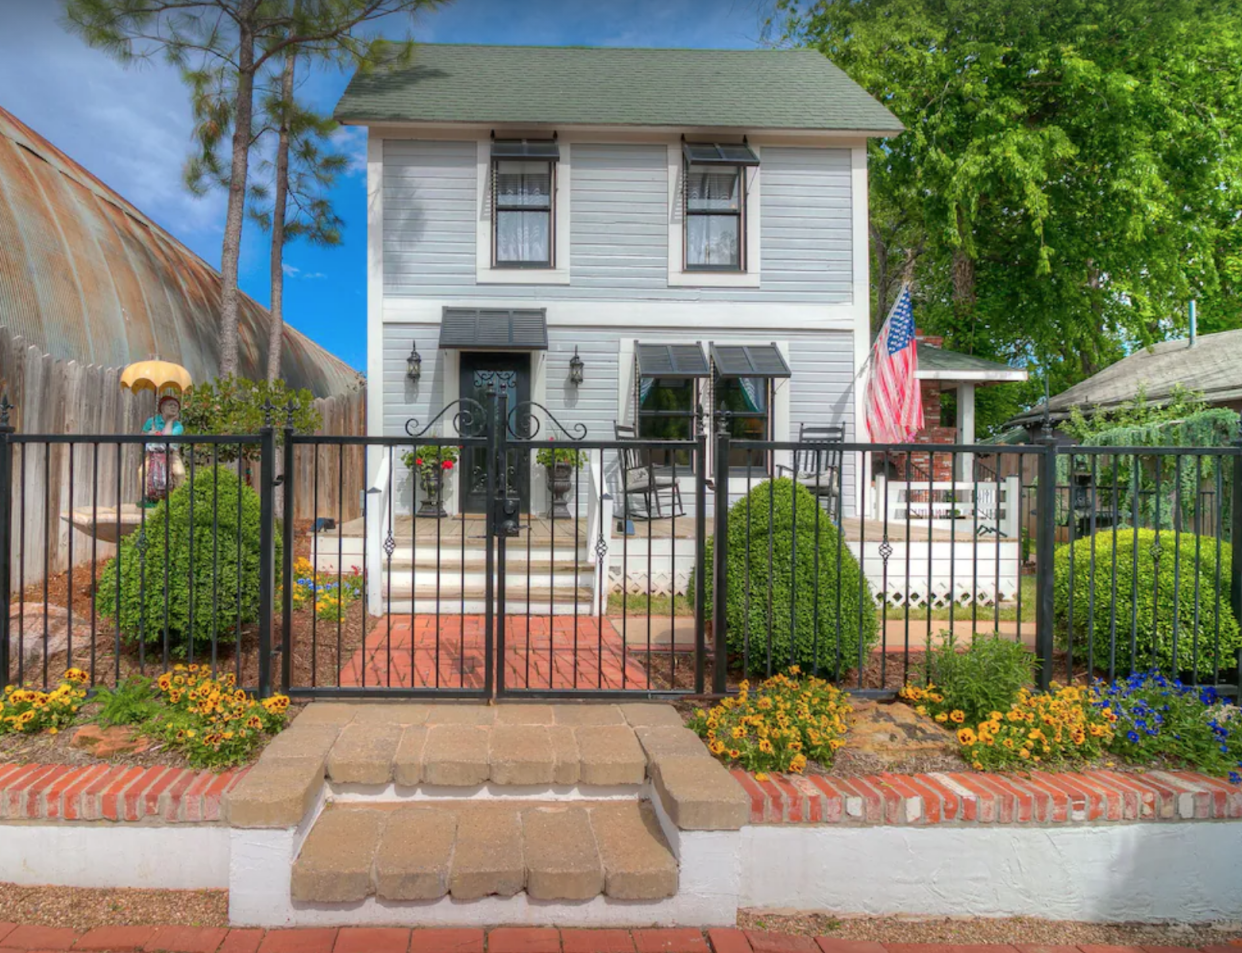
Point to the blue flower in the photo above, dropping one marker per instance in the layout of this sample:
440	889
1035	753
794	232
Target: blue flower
1235	778
1132	736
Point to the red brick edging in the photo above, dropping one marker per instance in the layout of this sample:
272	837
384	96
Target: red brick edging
101	792
964	796
177	939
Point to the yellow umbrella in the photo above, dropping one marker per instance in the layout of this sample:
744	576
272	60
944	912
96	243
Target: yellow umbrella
163	377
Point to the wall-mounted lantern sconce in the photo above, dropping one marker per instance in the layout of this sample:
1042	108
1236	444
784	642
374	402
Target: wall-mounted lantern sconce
414	364
575	368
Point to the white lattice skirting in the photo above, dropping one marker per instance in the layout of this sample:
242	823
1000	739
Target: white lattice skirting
964	572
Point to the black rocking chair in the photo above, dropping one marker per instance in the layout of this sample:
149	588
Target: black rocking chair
817	463
640	478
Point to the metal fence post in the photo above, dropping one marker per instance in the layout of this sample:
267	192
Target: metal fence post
286	554
1235	535
700	558
1045	544
720	555
6	536
267	546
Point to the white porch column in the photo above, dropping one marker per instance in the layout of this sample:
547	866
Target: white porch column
965	429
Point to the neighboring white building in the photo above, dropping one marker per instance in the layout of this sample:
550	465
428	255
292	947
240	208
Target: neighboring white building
529	204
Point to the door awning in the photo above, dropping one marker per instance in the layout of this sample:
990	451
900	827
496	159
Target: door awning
495	329
672	360
545	150
749	360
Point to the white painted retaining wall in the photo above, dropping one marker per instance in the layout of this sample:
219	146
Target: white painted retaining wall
172	857
1185	872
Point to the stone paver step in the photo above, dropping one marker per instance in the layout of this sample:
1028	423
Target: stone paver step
420	851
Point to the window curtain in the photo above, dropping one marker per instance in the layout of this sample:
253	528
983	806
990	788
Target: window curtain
523	235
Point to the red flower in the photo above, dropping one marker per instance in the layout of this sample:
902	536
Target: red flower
447	464
418	461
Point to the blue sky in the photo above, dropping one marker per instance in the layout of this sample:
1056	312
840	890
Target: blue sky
131	126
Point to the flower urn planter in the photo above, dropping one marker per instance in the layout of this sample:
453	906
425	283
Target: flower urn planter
560	482
433	491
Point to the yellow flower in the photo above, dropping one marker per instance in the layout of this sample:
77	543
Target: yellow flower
942	718
957	716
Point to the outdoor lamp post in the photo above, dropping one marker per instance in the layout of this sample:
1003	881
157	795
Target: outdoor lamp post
575	368
414	364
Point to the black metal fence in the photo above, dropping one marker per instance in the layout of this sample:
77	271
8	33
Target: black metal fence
605	567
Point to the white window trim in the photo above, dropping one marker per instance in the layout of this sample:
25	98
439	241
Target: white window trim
485	273
677	277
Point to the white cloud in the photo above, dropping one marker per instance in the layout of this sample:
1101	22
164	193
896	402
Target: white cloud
128	126
351	141
288	269
314	274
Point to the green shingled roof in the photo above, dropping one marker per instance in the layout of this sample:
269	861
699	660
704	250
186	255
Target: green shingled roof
932	358
744	89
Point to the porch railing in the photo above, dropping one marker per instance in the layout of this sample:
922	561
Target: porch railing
979	506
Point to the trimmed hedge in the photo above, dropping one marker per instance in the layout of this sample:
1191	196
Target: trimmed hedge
217	551
1151	627
764	606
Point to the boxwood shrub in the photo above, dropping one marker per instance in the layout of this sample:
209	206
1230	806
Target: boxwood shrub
1149	621
211	579
791	613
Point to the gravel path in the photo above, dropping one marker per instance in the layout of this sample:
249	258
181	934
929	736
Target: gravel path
82	908
989	930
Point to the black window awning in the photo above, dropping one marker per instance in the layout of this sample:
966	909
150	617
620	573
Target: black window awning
543	150
672	360
749	360
494	328
718	153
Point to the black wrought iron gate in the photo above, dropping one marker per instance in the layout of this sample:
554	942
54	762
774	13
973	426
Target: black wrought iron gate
579	599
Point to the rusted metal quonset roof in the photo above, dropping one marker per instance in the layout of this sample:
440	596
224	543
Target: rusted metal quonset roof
87	277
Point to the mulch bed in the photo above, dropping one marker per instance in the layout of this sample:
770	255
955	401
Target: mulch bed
320	648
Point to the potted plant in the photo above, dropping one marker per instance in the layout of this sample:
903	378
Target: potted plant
560	462
431	463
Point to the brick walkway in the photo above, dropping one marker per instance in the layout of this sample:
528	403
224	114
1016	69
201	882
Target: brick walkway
447	651
178	939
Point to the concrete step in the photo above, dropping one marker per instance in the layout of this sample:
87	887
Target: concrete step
426	577
470	849
450	589
539	605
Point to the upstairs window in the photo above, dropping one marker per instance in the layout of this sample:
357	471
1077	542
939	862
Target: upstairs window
523	190
715	206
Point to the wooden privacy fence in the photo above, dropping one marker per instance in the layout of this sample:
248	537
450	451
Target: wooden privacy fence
52	396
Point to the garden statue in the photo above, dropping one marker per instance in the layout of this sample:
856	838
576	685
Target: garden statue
161	469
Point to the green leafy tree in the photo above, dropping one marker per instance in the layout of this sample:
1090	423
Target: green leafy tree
1070	172
223	48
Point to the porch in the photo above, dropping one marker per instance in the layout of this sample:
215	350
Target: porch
552	564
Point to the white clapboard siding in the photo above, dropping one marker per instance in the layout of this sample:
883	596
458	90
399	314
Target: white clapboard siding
619	226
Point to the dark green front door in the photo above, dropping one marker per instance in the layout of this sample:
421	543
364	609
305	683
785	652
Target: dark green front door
479	371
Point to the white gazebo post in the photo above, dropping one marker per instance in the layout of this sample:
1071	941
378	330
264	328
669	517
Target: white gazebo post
965	430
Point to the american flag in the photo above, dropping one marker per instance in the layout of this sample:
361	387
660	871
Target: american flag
894	399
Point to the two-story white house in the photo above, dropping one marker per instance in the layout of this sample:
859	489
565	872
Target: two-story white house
675	226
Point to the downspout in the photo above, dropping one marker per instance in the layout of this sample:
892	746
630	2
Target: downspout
1194	321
